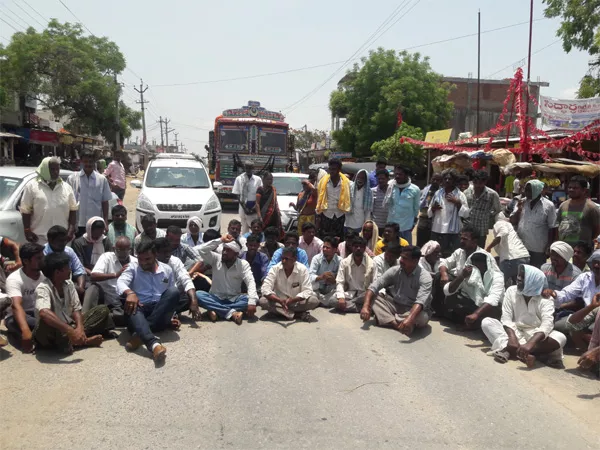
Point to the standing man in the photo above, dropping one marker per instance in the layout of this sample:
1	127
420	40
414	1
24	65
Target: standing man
424	224
361	203
380	212
535	220
578	217
381	164
403	201
447	208
334	200
510	249
245	187
484	205
355	275
115	173
48	201
91	190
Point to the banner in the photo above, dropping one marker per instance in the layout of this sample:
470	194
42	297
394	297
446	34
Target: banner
569	114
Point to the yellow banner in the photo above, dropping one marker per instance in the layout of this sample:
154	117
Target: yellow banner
439	137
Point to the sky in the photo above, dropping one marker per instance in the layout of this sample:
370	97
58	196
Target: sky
188	52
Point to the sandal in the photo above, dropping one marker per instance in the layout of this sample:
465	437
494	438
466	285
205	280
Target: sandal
501	356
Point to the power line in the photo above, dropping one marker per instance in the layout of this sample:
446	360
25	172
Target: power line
9	25
190	126
33	18
521	60
36	11
19	20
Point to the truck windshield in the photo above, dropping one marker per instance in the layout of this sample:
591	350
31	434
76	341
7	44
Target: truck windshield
177	177
272	142
234	140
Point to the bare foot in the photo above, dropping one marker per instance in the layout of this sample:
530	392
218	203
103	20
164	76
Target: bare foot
530	361
237	317
175	324
94	341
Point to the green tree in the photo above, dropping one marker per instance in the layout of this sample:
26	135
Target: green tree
394	151
372	94
305	138
580	29
70	73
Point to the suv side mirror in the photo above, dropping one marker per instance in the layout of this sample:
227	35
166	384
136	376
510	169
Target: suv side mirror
136	184
217	184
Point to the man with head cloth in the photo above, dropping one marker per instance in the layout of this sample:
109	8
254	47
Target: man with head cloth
225	299
535	220
525	330
559	271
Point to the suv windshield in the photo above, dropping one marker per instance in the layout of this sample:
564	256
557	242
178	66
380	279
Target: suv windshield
177	177
288	185
7	187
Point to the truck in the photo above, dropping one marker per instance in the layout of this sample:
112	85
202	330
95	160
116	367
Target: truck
247	134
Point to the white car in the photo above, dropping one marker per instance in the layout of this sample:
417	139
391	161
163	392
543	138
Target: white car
288	186
176	187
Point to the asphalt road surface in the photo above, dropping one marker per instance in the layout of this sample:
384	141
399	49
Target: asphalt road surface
333	383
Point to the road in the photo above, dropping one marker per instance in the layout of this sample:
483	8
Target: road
334	383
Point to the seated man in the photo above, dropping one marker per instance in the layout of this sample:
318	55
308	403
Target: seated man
256	229
7	247
271	243
151	299
92	244
105	273
559	271
581	253
225	299
579	325
183	281
57	243
391	233
186	254
150	232
234	229
59	322
591	358
290	240
287	290
345	248
119	226
430	257
354	277
525	329
258	261
511	250
476	292
409	295
323	272
20	287
311	244
388	259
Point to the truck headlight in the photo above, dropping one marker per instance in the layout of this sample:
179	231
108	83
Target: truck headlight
144	203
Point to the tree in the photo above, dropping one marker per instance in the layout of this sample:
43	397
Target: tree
580	29
304	138
392	150
386	83
71	74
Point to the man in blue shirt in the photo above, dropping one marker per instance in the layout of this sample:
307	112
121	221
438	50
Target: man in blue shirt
256	229
403	201
57	243
258	261
151	298
291	240
379	165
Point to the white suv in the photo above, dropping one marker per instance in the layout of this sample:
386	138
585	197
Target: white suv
176	187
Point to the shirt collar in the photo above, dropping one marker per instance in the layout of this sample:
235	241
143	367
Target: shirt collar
363	263
82	173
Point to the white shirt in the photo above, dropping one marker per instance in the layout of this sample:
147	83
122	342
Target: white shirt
426	266
227	281
535	223
333	198
48	207
182	277
353	279
526	319
279	284
381	265
455	263
251	185
445	220
18	284
109	263
510	246
90	192
357	216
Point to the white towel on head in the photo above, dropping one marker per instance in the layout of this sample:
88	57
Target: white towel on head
233	246
563	250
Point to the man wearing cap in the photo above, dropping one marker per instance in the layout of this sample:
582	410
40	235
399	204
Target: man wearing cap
225	299
559	271
535	220
245	187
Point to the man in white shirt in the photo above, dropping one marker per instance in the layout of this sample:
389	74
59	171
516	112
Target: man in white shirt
225	299
354	277
511	251
91	190
388	259
245	186
104	276
20	287
287	290
526	328
311	244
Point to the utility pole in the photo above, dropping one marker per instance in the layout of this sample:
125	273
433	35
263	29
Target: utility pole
142	102
118	117
176	143
167	131
162	141
478	72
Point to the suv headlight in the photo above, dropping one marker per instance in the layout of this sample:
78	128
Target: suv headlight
213	203
144	203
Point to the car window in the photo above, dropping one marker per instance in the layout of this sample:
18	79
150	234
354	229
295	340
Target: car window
177	177
288	185
8	185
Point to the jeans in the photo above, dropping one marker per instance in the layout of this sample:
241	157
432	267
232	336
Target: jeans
407	235
119	192
153	317
223	308
13	327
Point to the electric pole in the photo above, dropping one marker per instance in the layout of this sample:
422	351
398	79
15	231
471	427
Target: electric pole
118	117
162	142
142	102
167	131
176	143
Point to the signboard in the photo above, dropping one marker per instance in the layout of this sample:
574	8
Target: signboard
254	110
569	114
439	137
340	155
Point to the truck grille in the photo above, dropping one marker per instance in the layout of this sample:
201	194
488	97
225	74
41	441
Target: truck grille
178	208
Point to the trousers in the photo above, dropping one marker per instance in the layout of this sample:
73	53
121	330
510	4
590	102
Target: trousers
448	242
13	327
387	311
246	220
328	299
151	318
94	295
223	307
307	304
496	334
407	234
354	301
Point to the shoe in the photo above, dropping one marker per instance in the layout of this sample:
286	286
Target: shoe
159	353
501	356
237	317
134	343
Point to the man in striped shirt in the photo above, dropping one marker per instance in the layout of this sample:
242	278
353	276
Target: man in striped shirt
380	212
